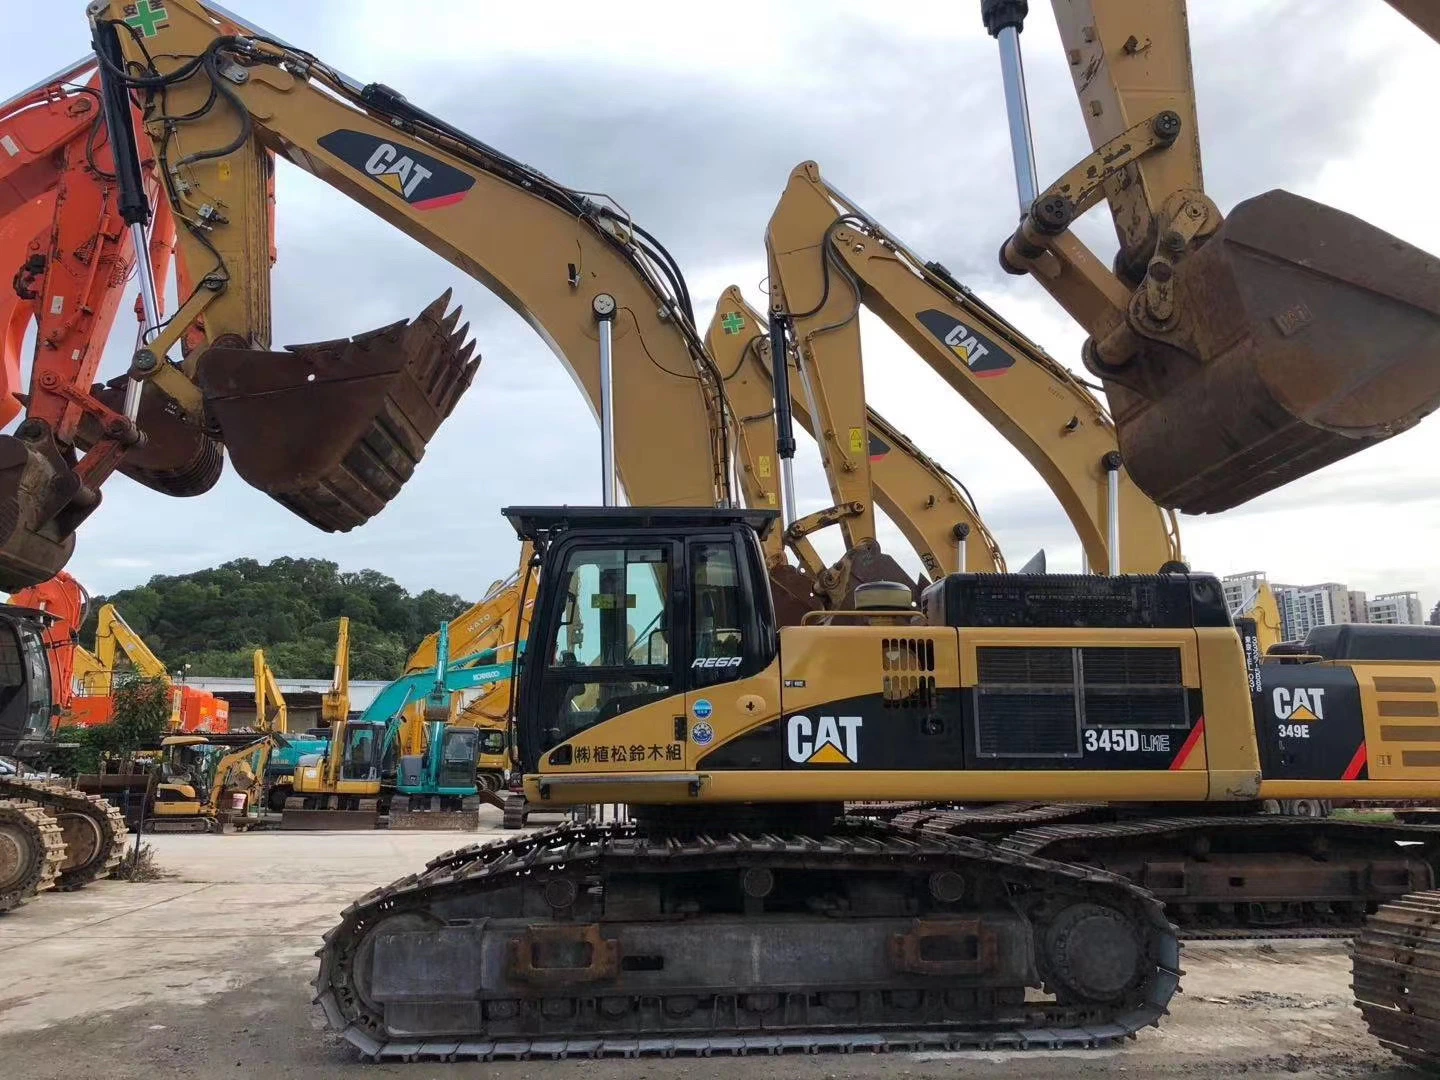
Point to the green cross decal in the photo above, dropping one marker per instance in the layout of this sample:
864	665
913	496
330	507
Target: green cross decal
147	19
731	322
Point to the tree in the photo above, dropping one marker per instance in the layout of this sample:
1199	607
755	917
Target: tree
141	711
1435	614
215	619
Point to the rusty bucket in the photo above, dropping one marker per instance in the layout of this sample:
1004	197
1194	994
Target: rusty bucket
334	429
1305	334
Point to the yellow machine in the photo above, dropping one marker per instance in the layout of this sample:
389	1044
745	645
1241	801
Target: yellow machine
335	705
656	676
116	646
737	743
340	788
202	785
828	258
271	713
930	507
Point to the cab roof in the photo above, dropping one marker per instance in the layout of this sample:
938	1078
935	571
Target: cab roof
544	523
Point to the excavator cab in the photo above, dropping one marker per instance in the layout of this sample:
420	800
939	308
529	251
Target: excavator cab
670	601
27	711
1299	335
456	756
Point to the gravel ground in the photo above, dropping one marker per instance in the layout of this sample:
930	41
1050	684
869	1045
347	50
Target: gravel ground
205	973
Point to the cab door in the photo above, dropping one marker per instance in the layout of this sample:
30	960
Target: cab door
732	677
612	676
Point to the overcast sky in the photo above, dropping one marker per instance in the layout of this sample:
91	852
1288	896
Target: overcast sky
692	116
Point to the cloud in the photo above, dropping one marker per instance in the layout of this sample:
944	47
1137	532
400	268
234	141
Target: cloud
693	120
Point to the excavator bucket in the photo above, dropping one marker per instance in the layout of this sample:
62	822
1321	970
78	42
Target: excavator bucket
36	539
1311	335
334	429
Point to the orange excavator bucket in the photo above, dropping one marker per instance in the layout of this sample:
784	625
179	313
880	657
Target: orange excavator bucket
332	430
1305	334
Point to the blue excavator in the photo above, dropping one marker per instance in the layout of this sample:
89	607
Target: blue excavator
402	757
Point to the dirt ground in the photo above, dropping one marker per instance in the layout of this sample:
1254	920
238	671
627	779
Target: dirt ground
205	974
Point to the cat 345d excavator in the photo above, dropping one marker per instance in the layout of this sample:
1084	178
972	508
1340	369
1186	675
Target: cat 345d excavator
1120	692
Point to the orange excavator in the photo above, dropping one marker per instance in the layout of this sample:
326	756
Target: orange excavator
381	396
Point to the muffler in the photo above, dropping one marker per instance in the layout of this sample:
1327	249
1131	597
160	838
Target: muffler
332	430
1302	335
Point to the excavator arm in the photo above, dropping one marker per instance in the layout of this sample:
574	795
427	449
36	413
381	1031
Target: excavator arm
1237	353
929	507
335	706
115	639
271	713
571	265
72	258
828	258
489	623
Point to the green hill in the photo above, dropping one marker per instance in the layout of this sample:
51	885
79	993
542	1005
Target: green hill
214	619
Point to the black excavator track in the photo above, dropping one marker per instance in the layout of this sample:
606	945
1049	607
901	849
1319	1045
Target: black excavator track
32	849
1221	876
1396	978
93	832
596	940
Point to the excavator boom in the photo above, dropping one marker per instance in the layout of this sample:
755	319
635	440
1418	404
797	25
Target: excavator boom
1238	352
828	258
931	508
565	261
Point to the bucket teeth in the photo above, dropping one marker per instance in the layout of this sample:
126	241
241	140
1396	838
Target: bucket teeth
332	430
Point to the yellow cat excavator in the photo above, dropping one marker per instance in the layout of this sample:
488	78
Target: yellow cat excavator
1238	352
656	676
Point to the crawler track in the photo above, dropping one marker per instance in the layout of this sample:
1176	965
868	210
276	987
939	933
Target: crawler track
602	940
1396	967
93	832
32	848
1251	875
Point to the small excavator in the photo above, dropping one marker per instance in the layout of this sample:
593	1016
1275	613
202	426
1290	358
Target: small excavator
388	763
203	786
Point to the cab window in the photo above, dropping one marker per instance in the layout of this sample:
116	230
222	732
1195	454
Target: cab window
611	651
716	613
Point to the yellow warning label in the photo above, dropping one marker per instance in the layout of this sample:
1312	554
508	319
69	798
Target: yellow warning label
762	466
857	440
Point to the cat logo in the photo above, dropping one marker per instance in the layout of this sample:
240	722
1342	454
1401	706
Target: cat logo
834	740
1298	705
424	182
976	351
